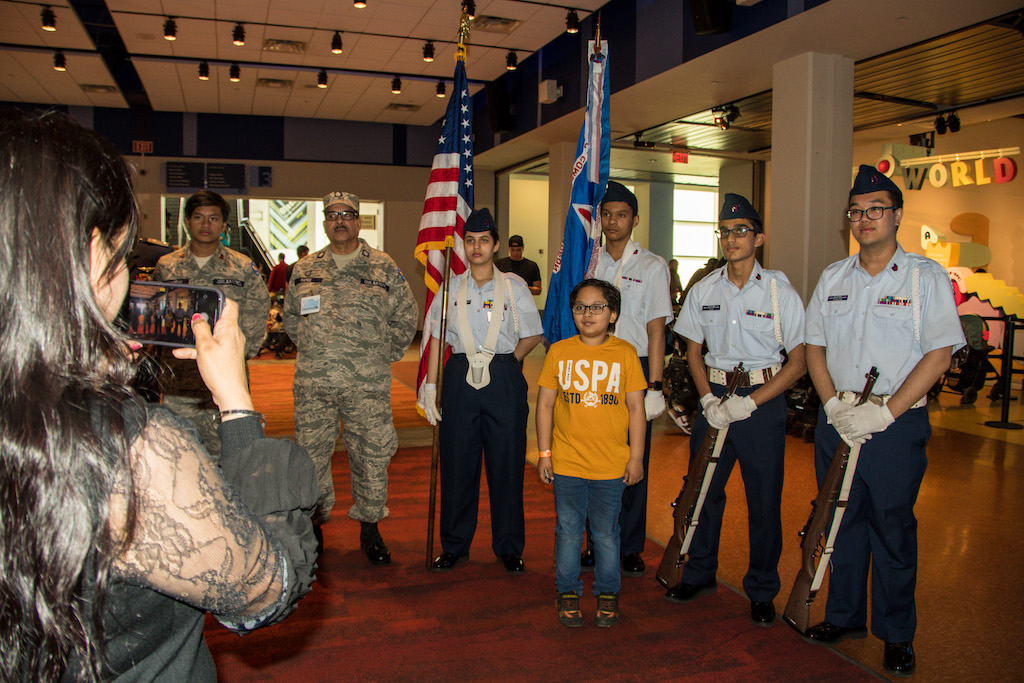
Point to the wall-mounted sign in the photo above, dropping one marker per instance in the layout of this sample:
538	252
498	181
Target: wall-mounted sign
680	157
191	176
985	167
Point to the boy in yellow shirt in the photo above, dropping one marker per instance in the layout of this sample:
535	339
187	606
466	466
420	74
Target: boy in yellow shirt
591	427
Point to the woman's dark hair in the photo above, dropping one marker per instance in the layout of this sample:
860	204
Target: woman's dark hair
608	290
63	373
207	198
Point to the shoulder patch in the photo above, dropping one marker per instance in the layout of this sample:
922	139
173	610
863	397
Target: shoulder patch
255	268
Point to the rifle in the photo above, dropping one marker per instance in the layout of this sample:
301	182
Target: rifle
690	501
832	497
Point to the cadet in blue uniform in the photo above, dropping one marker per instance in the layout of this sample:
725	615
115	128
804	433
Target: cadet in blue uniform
483	399
642	277
885	308
746	314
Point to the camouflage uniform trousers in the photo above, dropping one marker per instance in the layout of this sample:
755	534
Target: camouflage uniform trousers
202	413
370	439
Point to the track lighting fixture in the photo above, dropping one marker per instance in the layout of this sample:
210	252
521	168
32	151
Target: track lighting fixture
359	4
470	8
724	116
428	51
336	43
60	63
238	35
572	22
204	71
953	121
170	29
511	60
396	85
940	125
640	143
321	79
235	73
440	88
49	19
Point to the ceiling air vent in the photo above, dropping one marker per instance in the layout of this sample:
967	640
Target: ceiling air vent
495	24
272	83
99	89
397	106
288	47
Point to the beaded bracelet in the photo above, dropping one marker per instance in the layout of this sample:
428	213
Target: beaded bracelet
245	413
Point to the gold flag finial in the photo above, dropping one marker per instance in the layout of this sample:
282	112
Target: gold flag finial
597	36
460	52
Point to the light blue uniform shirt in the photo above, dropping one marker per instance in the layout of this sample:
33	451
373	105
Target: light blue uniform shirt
481	301
644	286
864	321
738	324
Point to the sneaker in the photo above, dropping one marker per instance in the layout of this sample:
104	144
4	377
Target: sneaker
607	610
569	613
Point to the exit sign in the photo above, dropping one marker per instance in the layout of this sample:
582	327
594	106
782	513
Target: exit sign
680	157
142	146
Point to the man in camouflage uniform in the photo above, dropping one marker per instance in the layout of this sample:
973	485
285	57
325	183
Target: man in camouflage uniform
351	314
205	261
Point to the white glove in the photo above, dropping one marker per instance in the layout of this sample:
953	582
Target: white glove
737	408
654	403
715	415
429	404
860	423
708	399
834	409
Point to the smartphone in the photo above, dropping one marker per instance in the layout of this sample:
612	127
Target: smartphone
161	312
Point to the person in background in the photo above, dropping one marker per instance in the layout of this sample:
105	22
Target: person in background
301	253
278	276
521	266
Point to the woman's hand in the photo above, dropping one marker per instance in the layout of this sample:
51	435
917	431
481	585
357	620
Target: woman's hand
220	355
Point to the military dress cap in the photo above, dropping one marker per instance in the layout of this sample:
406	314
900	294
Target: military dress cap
515	241
870	179
737	206
342	198
480	221
617	192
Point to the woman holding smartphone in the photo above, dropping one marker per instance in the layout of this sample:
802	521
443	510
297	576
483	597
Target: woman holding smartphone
118	531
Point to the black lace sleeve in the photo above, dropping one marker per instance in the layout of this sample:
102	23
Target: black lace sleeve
240	554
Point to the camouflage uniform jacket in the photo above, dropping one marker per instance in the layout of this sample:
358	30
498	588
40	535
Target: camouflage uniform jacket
238	277
366	321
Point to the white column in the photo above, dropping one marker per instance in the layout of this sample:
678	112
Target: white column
812	153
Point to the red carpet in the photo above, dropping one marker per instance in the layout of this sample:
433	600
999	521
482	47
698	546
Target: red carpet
401	622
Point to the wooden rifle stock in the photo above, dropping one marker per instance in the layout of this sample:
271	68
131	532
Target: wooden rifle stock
798	609
689	502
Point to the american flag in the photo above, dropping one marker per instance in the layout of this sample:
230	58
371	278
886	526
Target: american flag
577	258
448	203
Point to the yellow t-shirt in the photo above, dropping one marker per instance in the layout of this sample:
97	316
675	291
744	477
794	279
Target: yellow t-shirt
591	421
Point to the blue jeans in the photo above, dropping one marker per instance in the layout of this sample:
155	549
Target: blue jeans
576	500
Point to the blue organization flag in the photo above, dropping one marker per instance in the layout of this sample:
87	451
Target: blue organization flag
577	258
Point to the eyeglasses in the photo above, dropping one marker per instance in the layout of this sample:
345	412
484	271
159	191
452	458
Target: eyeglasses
873	213
723	233
340	215
595	309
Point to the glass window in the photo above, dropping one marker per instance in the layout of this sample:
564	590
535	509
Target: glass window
695	217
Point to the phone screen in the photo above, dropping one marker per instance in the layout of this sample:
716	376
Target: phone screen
161	312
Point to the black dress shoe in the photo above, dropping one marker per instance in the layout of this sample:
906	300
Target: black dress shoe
372	544
899	658
762	613
685	592
445	562
633	565
587	560
827	633
513	563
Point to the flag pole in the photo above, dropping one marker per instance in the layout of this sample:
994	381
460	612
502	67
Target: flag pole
435	450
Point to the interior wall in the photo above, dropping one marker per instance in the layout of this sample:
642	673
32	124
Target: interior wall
1001	203
400	188
528	217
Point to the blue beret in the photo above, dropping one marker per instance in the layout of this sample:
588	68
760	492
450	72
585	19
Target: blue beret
617	192
737	206
870	179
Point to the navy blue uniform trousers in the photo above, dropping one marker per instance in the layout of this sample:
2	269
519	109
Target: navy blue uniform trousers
491	420
758	444
879	527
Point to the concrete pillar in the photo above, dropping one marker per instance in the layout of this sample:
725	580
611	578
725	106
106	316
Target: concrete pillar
659	235
812	153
